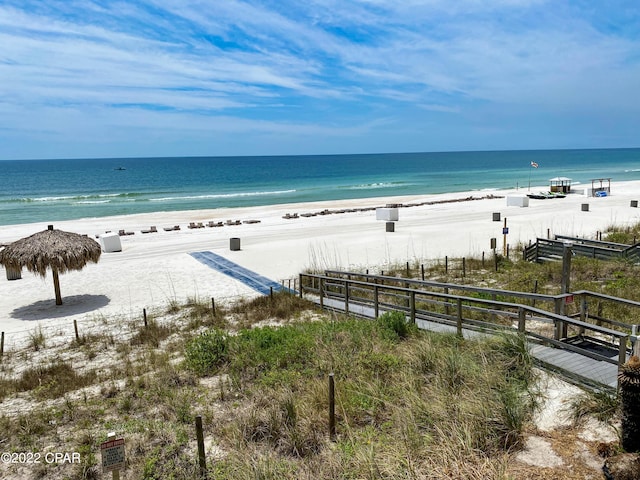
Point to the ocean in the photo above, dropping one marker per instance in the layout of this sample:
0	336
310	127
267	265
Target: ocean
50	190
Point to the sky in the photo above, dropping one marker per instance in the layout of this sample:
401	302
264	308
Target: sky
95	79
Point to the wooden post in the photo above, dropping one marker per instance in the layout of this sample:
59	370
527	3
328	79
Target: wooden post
346	297
459	317
299	285
422	271
495	259
504	238
622	351
56	286
446	264
332	408
535	290
521	320
408	273
144	314
376	306
201	456
75	327
271	293
213	306
321	292
446	304
413	307
464	266
2	345
483	259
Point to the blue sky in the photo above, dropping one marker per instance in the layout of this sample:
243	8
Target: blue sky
84	78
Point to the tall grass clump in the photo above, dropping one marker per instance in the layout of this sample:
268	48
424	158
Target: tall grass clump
281	305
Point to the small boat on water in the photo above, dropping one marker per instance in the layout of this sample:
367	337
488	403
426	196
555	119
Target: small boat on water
120	168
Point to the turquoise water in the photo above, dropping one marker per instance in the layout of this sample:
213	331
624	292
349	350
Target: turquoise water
49	190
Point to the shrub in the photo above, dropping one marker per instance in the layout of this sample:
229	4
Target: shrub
207	352
396	323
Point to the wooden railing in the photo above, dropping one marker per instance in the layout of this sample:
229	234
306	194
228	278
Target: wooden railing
546	249
472	308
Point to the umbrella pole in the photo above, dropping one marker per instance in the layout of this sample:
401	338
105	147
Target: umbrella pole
56	286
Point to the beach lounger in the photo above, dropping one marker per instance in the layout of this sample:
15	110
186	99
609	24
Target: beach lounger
123	233
253	221
152	229
192	225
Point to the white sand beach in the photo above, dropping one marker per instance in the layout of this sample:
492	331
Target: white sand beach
155	268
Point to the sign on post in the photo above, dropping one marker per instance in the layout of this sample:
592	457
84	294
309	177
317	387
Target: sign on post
112	455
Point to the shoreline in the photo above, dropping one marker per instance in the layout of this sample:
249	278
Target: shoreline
154	269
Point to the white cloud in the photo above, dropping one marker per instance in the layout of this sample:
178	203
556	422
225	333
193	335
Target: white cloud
337	63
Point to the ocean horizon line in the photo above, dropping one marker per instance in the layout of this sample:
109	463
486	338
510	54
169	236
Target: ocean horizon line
288	155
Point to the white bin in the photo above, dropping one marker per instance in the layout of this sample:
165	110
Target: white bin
110	242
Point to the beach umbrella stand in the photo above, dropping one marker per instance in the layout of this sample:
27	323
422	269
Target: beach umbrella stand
54	250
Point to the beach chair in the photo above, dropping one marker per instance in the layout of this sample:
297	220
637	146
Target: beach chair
192	225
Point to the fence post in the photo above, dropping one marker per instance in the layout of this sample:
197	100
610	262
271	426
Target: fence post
464	266
446	302
408	273
422	270
299	284
346	297
446	264
75	328
521	320
413	307
2	345
376	307
144	314
201	456
332	408
622	351
213	306
321	292
459	317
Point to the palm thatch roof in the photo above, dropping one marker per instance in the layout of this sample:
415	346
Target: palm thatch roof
55	249
51	249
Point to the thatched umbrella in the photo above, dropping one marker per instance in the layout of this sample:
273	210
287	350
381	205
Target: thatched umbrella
55	249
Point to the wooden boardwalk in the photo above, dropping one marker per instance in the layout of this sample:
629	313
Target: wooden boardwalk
574	366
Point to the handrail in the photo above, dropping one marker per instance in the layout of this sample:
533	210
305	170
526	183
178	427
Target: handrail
455	286
587	241
346	290
545	248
